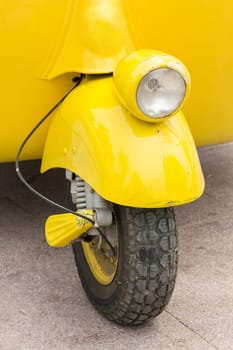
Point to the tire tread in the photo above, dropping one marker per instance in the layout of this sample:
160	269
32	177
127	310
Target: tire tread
151	253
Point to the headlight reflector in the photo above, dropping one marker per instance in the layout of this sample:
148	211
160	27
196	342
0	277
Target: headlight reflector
151	85
160	92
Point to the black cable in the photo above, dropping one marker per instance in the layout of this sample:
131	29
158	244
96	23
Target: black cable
24	181
17	168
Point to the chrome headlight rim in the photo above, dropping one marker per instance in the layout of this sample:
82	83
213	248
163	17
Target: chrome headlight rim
154	86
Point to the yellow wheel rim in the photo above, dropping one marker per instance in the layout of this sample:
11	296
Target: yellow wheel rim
102	264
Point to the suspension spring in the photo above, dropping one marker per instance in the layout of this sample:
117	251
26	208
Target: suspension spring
78	193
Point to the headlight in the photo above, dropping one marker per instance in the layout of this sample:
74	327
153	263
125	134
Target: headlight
160	92
151	85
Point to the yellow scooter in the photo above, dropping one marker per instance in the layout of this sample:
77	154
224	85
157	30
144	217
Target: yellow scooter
121	136
128	150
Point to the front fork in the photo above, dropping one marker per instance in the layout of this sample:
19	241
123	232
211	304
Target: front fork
63	229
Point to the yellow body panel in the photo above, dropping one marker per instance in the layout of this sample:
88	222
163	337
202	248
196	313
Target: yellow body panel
42	39
200	34
120	155
94	38
28	30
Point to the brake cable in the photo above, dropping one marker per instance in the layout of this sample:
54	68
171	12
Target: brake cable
77	80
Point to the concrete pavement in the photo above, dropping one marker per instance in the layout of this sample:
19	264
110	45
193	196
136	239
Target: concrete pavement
43	306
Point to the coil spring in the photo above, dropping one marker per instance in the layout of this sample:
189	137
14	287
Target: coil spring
79	193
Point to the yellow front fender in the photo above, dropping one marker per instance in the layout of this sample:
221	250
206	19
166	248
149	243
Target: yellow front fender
126	160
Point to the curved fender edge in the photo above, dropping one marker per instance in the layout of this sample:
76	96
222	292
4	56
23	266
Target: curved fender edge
126	160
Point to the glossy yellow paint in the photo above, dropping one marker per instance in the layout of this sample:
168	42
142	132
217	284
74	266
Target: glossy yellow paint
133	67
102	262
42	39
63	229
120	155
94	38
200	34
103	268
28	30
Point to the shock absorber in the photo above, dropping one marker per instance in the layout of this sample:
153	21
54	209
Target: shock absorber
78	192
84	197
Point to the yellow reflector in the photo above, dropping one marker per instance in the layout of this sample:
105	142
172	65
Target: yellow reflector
62	229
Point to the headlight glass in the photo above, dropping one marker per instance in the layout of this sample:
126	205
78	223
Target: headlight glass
160	92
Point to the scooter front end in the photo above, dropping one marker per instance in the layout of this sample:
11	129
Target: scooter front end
129	160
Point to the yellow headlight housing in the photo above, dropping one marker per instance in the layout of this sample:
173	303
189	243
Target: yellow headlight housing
151	85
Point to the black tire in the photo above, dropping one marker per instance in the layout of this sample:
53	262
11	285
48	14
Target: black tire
146	271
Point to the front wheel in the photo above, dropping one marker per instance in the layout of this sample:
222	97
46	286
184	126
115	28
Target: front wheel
134	282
